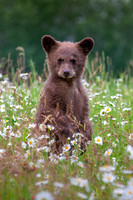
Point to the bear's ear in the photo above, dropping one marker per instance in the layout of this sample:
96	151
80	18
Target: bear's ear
86	45
48	42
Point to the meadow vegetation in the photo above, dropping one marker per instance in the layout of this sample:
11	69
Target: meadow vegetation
29	171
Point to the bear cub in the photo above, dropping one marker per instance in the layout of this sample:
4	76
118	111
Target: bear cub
64	101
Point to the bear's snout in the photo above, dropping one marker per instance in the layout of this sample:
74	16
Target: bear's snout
66	73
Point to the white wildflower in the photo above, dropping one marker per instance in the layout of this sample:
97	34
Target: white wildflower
42	127
131	136
106	168
108	177
80	164
107	109
98	140
2	108
108	152
66	147
31	142
82	196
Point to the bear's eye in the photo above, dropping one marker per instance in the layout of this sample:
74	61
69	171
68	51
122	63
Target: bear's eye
73	61
60	60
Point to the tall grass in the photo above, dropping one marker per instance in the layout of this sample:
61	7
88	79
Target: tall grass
103	172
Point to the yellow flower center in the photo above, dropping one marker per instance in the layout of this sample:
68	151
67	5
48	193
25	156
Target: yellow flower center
66	147
108	153
79	180
108	178
106	166
130	192
95	195
98	140
107	109
30	142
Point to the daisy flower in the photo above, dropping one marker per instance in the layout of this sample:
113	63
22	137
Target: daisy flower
31	142
74	159
114	161
66	147
93	196
32	125
2	151
114	144
108	177
40	163
82	196
27	154
124	122
78	134
24	76
42	127
26	98
129	148
107	109
80	182
112	104
57	184
41	137
19	107
130	182
38	175
114	97
50	127
98	140
3	134
102	112
105	123
131	136
128	193
117	192
1	75
2	108
5	121
51	142
46	149
85	83
73	142
41	183
126	109
80	164
51	157
33	110
108	152
46	136
16	123
107	168
9	144
44	195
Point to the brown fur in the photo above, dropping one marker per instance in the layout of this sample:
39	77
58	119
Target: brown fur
64	100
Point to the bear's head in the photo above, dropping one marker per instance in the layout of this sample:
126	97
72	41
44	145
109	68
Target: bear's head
66	60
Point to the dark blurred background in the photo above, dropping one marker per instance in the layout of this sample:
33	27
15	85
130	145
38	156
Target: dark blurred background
109	22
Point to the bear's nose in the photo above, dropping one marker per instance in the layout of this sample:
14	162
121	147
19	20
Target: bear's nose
66	73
